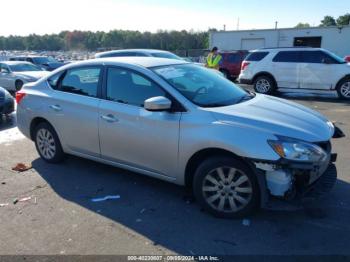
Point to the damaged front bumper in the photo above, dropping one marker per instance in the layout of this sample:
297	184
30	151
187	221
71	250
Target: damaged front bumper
290	180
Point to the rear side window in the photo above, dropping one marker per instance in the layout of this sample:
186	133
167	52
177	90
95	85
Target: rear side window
128	87
256	56
82	81
287	57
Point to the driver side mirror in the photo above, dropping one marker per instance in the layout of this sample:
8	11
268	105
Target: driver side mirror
5	71
157	104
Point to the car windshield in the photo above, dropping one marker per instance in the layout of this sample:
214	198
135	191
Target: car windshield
24	67
337	58
44	60
166	55
204	87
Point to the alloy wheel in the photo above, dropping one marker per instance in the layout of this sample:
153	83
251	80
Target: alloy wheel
227	189
263	86
345	89
46	143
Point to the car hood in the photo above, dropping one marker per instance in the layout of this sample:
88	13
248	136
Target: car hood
33	74
278	117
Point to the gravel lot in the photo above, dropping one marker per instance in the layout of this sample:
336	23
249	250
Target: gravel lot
152	217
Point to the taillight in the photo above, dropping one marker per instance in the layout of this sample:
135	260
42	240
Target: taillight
19	96
245	64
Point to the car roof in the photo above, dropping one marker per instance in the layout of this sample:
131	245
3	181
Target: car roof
146	62
286	49
148	51
15	62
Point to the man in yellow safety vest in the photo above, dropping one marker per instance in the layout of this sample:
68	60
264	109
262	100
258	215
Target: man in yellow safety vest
214	59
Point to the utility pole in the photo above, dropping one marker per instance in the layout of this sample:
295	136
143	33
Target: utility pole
237	23
224	27
276	24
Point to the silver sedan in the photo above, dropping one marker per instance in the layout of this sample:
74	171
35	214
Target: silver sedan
182	123
14	74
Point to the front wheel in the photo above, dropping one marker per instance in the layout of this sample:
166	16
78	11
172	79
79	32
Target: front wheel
343	89
226	187
48	144
264	85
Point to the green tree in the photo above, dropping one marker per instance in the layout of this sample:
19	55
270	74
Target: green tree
302	25
344	19
328	21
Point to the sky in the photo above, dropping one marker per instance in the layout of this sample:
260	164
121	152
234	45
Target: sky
26	17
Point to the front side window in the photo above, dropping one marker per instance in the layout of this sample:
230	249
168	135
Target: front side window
128	87
202	86
317	57
287	57
82	81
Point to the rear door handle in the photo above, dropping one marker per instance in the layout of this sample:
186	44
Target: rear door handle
109	118
56	107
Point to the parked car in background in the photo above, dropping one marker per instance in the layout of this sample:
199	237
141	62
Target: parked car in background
294	69
232	147
347	58
231	64
13	74
47	63
138	52
7	103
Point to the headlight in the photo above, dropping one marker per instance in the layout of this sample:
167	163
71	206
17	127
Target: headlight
297	150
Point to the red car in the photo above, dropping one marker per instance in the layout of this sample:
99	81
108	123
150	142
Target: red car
231	64
347	58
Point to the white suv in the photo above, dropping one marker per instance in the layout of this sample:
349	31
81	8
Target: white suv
296	68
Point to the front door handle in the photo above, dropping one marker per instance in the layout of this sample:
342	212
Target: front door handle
56	107
109	118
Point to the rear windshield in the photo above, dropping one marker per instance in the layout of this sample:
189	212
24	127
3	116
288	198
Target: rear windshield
256	56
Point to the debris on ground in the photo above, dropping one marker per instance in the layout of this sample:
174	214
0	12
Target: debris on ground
3	183
246	222
20	167
23	199
4	204
99	199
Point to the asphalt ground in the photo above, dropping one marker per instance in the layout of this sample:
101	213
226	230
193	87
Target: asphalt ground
153	217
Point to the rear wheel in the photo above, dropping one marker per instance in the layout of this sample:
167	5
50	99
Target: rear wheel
226	187
18	85
343	89
47	143
264	85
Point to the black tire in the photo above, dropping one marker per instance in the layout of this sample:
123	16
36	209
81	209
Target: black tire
58	154
201	185
264	84
343	87
18	85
